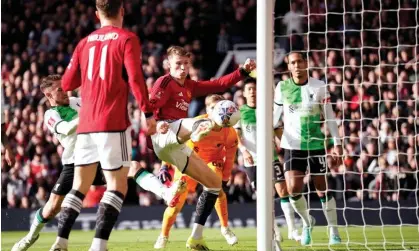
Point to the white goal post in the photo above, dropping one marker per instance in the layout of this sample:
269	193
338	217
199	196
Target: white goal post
264	133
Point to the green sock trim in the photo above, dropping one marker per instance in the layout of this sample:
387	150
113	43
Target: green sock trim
294	198
140	175
39	216
285	199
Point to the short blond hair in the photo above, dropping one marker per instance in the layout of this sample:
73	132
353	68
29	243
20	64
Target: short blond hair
213	99
49	81
177	50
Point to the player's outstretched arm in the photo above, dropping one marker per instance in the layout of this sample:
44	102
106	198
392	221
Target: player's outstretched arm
202	88
71	79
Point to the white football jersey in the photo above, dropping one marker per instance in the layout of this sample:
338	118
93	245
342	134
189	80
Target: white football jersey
302	114
58	114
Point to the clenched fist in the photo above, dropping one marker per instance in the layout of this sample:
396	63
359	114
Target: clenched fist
249	65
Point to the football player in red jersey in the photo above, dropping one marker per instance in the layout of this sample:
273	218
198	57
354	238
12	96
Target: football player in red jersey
104	132
170	99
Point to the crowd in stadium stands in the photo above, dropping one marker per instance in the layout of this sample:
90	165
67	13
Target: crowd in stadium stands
376	93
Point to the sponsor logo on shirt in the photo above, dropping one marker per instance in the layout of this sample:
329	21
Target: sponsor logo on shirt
248	128
51	122
182	105
292	108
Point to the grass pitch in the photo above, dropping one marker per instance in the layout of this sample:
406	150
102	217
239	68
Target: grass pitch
368	238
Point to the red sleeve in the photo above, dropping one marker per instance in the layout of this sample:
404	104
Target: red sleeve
160	92
133	65
202	88
71	79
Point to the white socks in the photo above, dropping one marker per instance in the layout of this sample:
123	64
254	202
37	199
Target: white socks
329	210
289	214
99	244
197	231
299	204
150	182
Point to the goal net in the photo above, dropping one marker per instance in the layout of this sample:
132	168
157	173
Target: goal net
367	53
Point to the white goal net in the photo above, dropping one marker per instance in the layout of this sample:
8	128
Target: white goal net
367	53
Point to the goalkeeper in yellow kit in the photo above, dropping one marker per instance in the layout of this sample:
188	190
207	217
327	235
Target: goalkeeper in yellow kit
218	150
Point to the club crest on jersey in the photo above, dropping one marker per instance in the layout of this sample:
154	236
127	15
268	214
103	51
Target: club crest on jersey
158	95
188	94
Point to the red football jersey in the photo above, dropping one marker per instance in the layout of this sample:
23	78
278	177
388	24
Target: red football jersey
170	100
97	68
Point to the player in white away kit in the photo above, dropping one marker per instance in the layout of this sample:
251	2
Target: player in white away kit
62	120
300	103
246	129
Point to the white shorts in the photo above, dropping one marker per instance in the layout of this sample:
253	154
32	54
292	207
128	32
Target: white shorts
168	149
111	149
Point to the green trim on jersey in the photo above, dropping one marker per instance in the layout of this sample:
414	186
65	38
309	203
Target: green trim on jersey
311	135
248	121
66	112
248	115
291	92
